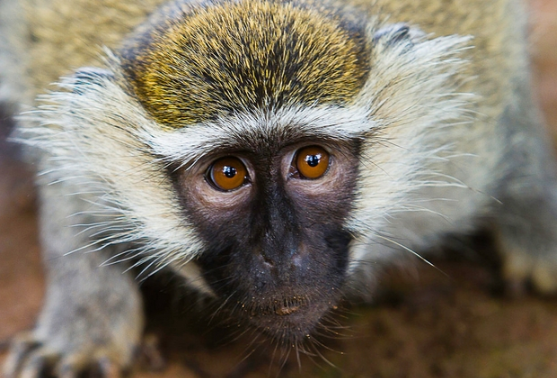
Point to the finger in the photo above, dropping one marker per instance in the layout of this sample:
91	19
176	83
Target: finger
150	350
71	365
109	369
20	349
38	362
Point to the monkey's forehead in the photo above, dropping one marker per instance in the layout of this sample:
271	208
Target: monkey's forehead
193	63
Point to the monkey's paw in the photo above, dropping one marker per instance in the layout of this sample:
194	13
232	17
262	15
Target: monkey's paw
538	271
30	358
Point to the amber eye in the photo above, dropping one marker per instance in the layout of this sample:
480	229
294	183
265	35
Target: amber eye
312	162
228	173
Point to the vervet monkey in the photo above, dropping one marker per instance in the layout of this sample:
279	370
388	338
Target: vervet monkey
272	154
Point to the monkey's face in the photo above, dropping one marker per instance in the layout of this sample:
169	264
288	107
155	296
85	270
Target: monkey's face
254	139
270	205
272	220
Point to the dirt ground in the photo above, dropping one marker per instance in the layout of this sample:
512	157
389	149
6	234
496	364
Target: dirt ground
426	324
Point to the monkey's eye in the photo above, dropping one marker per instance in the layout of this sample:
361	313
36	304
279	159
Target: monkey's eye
227	174
312	162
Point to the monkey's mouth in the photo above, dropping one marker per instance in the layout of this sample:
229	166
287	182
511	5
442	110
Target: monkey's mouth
283	307
289	318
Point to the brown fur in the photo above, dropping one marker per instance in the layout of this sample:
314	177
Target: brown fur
64	36
200	66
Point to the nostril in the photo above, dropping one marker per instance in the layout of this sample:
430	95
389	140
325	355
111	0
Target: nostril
294	251
298	262
267	261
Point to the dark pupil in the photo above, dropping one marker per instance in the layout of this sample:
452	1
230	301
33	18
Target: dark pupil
229	171
313	160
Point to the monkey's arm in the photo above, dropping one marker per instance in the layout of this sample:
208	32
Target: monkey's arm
525	225
93	313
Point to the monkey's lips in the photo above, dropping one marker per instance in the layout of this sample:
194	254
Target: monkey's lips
290	318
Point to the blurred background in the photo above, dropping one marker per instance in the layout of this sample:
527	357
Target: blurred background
426	324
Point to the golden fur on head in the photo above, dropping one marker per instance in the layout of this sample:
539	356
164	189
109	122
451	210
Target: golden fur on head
232	56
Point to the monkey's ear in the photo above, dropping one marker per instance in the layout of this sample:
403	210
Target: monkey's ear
395	34
87	76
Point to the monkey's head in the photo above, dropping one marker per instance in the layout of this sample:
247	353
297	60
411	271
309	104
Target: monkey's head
255	146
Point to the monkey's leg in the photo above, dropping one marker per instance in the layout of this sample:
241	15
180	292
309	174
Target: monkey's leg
526	219
92	317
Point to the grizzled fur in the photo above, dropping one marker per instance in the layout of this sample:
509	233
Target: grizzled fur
422	106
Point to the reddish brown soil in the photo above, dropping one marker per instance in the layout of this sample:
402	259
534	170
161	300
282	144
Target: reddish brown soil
430	325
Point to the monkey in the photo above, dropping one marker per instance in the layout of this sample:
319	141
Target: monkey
272	154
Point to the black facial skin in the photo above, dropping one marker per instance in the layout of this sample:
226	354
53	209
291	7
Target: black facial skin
276	252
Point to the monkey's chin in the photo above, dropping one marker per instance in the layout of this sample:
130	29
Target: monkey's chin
288	320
